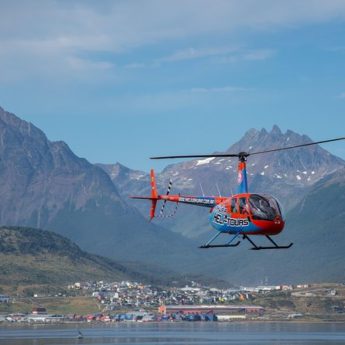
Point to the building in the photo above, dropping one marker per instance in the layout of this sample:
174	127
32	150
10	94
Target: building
223	310
4	299
39	311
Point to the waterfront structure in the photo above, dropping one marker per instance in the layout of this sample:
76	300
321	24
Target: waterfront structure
219	309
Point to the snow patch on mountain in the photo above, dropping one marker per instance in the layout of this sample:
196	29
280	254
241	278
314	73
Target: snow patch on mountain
204	161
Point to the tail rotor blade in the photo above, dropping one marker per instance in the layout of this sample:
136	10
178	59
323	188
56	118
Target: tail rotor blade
164	203
162	209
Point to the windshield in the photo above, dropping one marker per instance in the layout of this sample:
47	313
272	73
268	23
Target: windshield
264	207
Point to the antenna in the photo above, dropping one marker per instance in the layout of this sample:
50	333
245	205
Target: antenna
202	191
218	189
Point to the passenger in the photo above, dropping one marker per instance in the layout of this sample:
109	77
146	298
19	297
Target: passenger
234	206
243	207
245	210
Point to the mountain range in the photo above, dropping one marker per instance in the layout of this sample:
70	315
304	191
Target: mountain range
44	184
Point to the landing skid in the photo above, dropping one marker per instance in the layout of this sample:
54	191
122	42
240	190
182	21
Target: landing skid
219	245
245	237
275	245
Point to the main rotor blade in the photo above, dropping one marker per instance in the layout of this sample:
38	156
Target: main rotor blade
296	146
198	156
246	154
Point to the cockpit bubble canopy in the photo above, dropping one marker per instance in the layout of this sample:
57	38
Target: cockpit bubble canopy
264	207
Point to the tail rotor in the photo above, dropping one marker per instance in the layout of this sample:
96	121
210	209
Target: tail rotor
165	201
161	212
154	197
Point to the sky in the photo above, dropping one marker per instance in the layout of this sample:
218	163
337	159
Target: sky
121	81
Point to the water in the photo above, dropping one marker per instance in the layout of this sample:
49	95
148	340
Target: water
178	333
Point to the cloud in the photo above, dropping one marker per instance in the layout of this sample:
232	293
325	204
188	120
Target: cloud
224	89
84	64
120	25
135	65
160	101
260	54
194	53
342	95
216	54
36	36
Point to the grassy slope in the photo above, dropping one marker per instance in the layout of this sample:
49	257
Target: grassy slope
33	260
55	305
31	257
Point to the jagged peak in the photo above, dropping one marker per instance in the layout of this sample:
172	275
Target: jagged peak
119	168
263	131
289	132
123	168
257	140
251	132
276	130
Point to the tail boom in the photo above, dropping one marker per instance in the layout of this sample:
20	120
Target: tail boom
205	201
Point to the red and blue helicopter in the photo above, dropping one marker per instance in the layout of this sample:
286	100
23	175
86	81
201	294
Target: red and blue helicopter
241	215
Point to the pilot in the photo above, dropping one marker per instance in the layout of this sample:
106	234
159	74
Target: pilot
258	208
266	208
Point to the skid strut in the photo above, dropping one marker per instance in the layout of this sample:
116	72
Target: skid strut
228	244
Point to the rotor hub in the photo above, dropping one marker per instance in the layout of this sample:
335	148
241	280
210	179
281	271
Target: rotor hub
242	156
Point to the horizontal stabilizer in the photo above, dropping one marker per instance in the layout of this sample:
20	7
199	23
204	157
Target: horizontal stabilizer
142	197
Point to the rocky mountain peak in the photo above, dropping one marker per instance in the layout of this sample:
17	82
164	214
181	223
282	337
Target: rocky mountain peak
254	139
118	171
38	178
19	127
301	166
276	130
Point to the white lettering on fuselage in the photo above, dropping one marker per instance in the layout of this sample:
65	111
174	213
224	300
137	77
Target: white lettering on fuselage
196	200
224	219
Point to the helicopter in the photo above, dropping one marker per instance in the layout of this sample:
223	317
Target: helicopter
241	215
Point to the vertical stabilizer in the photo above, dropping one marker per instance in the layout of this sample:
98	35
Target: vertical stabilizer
242	177
154	194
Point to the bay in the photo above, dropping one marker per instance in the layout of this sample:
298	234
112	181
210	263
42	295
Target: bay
183	333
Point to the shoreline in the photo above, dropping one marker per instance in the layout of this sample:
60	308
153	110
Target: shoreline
4	325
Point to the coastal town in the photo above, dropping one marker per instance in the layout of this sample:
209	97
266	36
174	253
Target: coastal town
130	301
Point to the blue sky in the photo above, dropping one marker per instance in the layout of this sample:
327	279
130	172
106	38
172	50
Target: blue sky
125	80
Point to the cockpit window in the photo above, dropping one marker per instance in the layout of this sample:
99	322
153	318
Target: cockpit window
243	206
233	205
264	207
